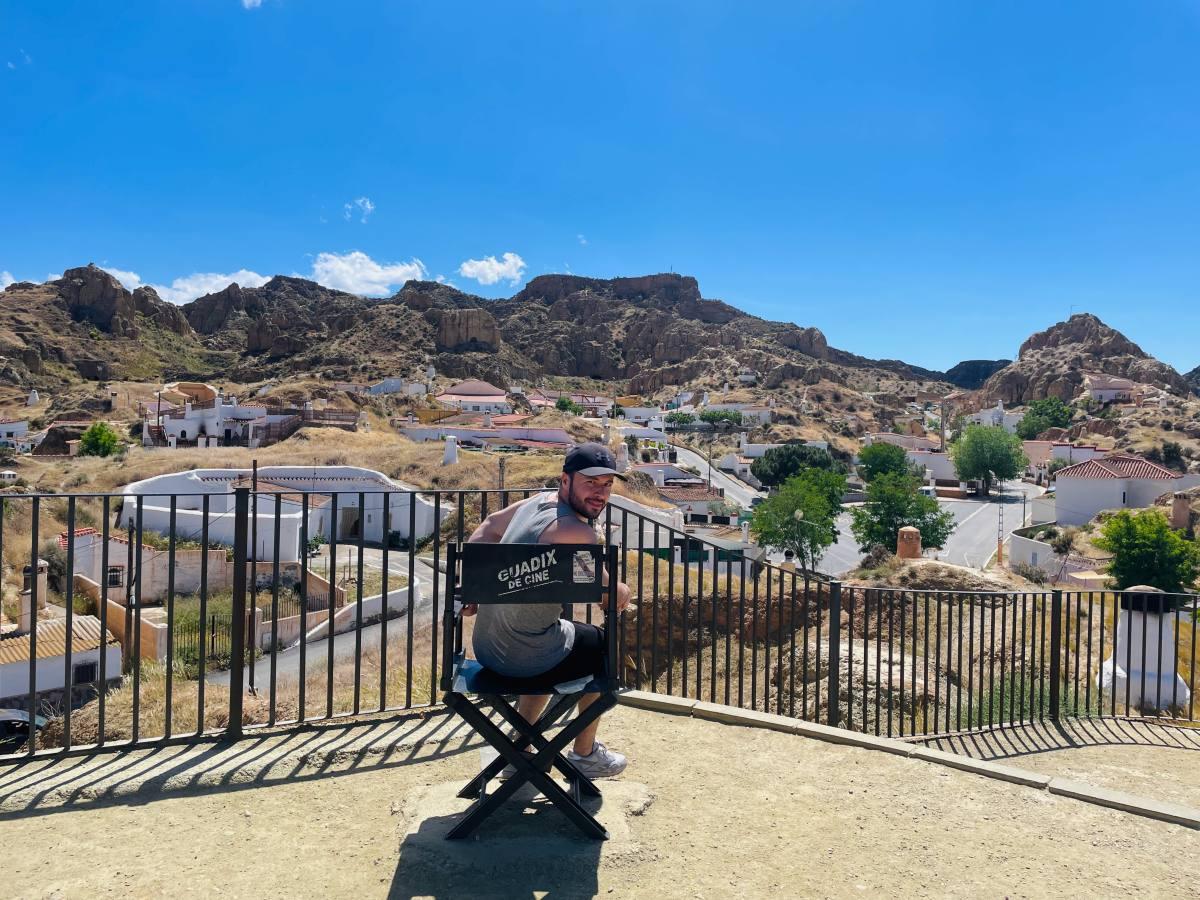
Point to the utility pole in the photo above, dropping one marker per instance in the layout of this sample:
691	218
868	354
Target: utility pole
253	580
1000	522
501	483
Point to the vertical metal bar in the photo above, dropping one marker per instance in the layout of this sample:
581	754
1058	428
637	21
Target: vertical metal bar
741	630
172	522
200	653
277	525
384	564
958	610
33	623
891	655
1078	650
1192	664
982	660
925	671
106	512
237	650
833	693
728	624
137	629
792	650
1003	651
333	538
1043	651
412	578
252	596
358	590
1055	652
641	587
1112	693
1026	602
849	653
670	611
903	631
433	608
878	658
1125	607
971	662
304	539
1158	656
754	639
653	616
684	613
767	641
712	628
832	659
779	648
68	657
937	662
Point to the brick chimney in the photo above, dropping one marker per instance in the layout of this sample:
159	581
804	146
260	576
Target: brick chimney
1181	511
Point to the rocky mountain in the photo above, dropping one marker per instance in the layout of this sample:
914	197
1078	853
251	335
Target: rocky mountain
1193	378
972	373
85	325
1053	363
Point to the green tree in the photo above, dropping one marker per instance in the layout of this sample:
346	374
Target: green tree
1146	551
802	516
894	501
719	416
675	417
989	454
779	464
566	404
880	459
101	439
1049	412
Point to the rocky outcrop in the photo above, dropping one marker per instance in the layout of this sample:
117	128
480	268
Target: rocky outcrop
972	373
97	298
1053	363
1193	378
460	330
809	341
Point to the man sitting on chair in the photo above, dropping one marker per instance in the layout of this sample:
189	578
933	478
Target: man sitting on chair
531	639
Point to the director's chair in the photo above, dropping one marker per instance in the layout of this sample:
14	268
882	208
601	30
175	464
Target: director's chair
560	574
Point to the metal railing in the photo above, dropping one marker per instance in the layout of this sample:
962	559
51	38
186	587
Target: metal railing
165	646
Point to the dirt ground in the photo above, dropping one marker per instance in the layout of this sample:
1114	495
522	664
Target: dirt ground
705	810
1145	758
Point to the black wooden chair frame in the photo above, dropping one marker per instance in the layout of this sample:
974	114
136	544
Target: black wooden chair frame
473	705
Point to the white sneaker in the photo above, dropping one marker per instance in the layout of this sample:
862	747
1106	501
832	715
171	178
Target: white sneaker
600	763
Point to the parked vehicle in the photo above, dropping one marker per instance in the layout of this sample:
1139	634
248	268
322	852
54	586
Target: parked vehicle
14	728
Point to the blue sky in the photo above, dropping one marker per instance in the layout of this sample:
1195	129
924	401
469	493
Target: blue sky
929	181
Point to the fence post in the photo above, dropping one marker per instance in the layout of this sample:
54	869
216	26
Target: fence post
237	649
1055	652
835	652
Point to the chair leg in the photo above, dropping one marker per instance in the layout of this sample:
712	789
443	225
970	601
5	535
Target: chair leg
560	761
527	770
475	786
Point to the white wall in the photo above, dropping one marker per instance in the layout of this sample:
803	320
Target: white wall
14	677
347	617
1077	500
939	464
1032	553
1042	510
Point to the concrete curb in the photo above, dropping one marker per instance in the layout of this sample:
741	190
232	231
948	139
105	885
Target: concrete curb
1175	813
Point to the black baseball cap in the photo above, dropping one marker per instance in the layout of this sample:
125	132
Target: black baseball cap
591	459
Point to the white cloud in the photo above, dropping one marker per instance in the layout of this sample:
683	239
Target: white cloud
357	273
489	270
10	65
442	279
363	205
251	4
6	279
198	284
582	240
28	59
131	281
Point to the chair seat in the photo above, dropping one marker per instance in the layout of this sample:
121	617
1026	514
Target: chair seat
472	678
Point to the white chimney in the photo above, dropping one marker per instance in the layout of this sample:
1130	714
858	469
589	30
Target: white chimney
622	457
33	398
487	420
659	476
745	532
450	457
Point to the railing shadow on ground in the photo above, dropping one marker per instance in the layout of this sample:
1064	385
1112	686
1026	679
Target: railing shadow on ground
1016	741
141	775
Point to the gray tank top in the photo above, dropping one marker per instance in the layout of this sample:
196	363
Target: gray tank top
525	639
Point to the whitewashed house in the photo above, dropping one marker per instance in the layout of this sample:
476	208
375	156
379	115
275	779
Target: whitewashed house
1112	482
334	506
935	463
87	643
592	404
998	417
396	386
739	462
907	441
641	415
1109	389
13	432
189	414
474	395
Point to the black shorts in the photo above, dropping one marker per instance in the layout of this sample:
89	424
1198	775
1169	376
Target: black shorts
587	656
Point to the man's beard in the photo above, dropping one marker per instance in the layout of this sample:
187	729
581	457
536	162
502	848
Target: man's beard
577	505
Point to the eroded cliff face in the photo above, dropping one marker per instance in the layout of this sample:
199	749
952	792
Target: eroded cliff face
97	298
1053	363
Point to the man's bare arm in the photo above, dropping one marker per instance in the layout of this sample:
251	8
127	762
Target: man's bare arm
573	531
492	529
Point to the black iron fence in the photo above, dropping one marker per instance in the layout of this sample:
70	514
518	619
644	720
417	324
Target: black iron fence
170	639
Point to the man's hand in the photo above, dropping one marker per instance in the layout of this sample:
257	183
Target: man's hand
470	609
624	595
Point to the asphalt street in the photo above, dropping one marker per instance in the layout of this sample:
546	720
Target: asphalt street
736	491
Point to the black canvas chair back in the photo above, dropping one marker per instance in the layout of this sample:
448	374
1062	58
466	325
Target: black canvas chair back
559	574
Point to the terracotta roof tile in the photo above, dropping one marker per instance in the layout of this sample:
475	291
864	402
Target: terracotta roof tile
1118	467
52	640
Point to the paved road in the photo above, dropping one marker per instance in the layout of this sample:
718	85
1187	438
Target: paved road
287	662
972	543
736	491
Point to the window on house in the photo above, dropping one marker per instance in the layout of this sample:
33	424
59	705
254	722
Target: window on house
368	518
1122	498
116	576
85	673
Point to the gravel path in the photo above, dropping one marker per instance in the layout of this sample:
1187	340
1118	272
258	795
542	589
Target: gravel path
705	810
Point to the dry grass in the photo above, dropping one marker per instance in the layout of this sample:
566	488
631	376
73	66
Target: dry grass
118	714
